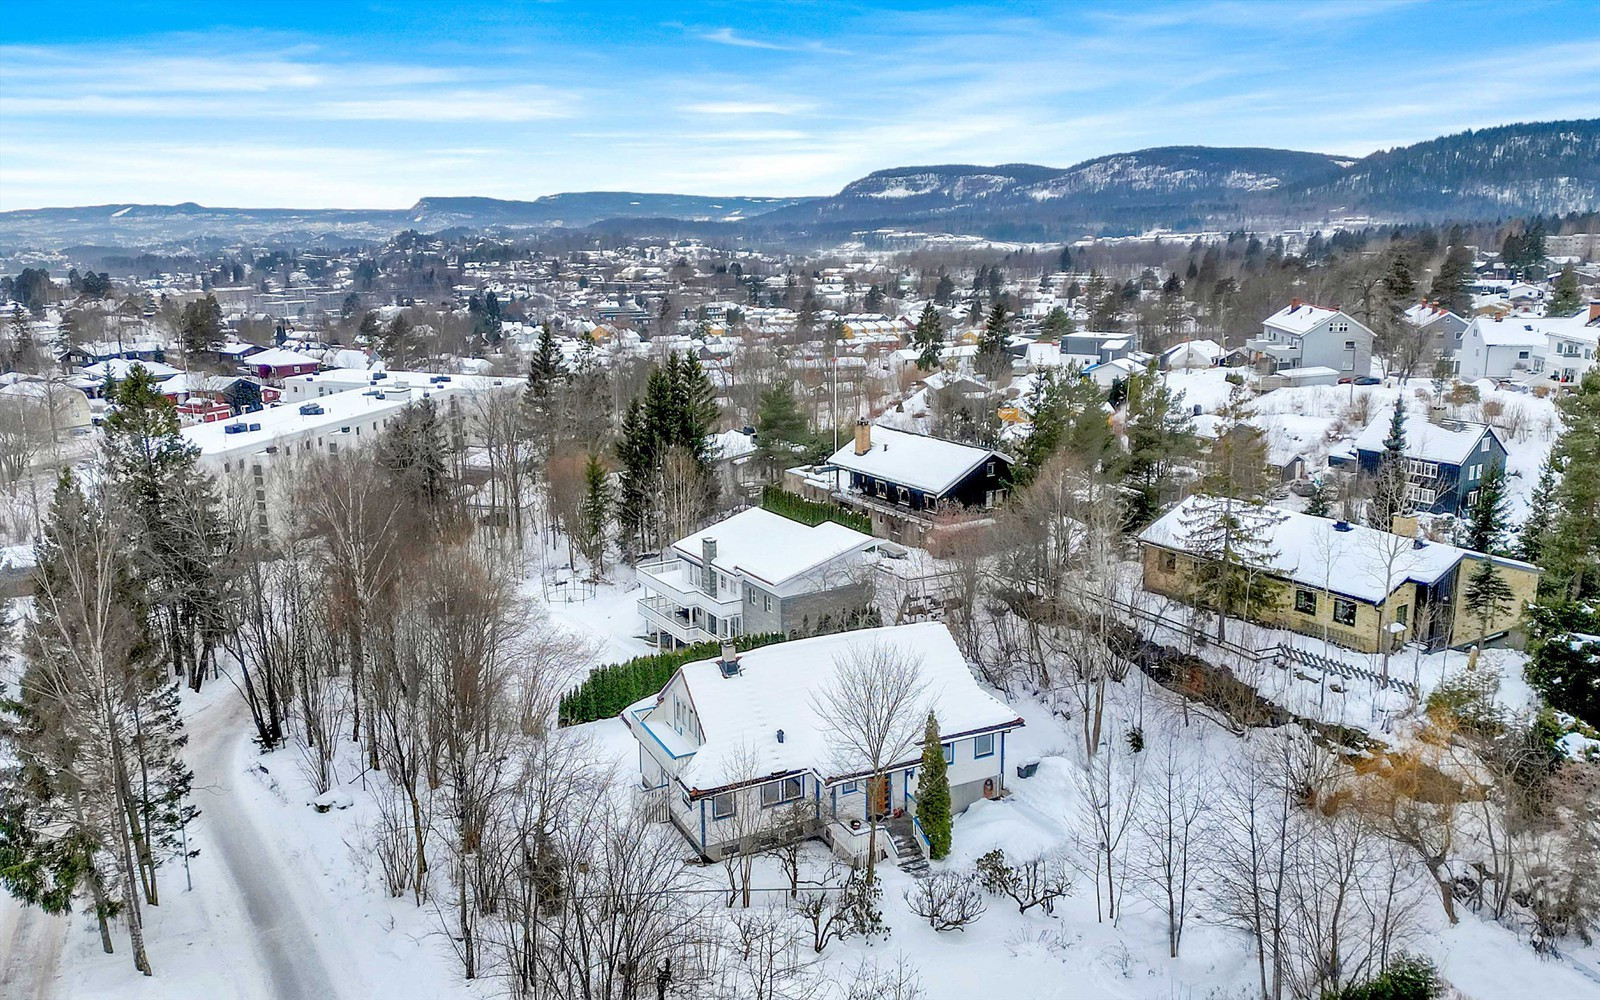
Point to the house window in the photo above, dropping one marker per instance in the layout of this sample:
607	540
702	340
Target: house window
776	793
1349	345
850	788
1305	602
1472	498
1483	445
766	602
991	470
949	753
722	806
983	746
1169	562
1344	612
1402	614
905	495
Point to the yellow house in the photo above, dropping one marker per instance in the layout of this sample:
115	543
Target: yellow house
1350	584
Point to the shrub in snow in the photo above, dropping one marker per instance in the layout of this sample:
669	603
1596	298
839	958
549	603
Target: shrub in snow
1036	882
837	914
948	901
1408	977
871	981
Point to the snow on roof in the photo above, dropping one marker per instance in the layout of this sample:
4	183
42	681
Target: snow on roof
1299	317
287	423
277	357
778	687
1311	551
900	457
1209	350
1424	313
730	445
771	547
118	369
1515	333
1450	442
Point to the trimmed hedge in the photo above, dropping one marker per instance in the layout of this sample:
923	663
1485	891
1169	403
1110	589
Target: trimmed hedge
609	690
798	508
1408	977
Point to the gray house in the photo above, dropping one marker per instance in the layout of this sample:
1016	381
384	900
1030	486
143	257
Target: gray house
755	573
1301	335
1443	328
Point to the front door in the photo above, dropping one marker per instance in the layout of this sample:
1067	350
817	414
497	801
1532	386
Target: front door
878	797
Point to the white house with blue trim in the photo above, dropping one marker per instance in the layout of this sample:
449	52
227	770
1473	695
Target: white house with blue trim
743	757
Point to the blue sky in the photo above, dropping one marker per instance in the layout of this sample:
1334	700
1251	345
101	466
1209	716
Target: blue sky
362	104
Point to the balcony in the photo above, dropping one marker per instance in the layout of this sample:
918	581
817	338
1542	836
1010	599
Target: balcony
1280	352
662	615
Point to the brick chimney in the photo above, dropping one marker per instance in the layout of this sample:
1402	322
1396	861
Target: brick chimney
1294	304
863	437
1594	310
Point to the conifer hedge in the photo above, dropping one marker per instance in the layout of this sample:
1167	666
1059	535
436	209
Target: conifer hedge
609	690
798	508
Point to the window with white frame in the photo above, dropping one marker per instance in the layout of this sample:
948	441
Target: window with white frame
776	793
983	746
1420	469
1421	494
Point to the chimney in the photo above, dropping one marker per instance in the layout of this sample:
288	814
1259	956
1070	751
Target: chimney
1594	310
1404	525
1294	304
729	662
708	575
863	437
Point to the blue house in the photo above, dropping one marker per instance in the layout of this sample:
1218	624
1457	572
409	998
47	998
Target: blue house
1445	461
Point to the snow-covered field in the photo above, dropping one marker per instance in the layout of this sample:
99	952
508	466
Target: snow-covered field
284	904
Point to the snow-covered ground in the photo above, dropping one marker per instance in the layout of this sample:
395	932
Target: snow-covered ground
284	904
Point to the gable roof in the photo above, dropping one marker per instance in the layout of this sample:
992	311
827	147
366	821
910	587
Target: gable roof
925	463
277	357
771	547
1451	442
1298	317
778	687
1313	552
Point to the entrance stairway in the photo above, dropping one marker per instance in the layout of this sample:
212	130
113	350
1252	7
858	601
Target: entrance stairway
906	849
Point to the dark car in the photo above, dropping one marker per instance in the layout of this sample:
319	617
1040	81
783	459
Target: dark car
1369	380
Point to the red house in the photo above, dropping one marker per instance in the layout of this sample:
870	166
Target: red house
278	364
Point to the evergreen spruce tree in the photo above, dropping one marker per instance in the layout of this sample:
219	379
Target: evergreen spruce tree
928	338
1452	286
1066	413
1566	301
1531	539
1487	596
1320	502
413	451
174	513
1389	482
1572	547
1159	435
544	371
992	359
780	429
1486	518
594	513
933	792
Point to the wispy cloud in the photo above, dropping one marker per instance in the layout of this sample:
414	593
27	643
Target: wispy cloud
728	36
511	102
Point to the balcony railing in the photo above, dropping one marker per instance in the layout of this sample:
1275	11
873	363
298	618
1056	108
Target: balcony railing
666	577
662	613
